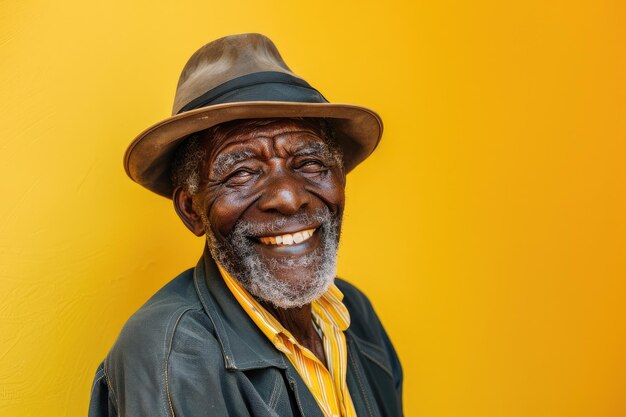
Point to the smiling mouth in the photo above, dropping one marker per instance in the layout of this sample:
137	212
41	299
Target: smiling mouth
288	238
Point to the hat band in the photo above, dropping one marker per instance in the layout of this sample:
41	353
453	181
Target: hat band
258	86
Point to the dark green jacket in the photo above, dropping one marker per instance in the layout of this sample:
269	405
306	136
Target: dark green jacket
192	351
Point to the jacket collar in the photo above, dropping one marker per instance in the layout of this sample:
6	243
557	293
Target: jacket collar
243	345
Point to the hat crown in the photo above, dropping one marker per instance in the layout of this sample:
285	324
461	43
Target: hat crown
226	59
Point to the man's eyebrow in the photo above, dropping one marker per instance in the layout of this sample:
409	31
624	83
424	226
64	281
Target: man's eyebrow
320	149
224	161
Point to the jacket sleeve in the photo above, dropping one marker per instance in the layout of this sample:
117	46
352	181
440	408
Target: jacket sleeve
101	405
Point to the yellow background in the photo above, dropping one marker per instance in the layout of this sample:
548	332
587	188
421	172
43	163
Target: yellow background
488	228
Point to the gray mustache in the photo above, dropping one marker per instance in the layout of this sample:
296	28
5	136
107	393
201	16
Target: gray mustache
246	228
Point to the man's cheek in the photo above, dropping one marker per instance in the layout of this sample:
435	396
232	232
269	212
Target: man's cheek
222	216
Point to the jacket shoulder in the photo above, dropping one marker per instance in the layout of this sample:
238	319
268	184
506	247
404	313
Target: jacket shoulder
356	302
150	323
137	362
364	322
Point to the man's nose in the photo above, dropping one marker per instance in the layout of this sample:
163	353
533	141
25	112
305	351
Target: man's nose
286	195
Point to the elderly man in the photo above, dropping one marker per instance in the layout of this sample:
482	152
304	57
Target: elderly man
255	159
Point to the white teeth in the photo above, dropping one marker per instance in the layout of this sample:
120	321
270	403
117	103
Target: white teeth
288	238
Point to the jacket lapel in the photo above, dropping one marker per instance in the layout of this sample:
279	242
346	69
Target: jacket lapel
244	346
306	403
358	385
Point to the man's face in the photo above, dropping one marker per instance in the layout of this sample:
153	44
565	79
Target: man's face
271	200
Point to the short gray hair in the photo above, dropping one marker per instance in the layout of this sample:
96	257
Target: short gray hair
188	159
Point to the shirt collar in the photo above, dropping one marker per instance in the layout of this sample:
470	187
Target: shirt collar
329	308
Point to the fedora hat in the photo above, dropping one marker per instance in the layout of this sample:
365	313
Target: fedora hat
242	77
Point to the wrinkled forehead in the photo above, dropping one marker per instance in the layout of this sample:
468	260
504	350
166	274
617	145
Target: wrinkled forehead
258	135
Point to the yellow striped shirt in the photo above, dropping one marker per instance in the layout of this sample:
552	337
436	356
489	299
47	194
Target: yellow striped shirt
327	385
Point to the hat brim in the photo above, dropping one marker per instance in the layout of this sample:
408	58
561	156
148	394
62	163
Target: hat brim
147	159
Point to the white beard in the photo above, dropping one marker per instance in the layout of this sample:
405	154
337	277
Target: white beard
244	264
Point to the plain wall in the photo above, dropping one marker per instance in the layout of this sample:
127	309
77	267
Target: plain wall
488	228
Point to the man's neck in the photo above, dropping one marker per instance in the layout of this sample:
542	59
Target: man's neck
299	322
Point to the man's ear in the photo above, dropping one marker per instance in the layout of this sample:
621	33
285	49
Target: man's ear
183	204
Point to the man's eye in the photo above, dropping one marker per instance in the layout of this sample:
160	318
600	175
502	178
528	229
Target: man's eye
240	173
311	165
240	176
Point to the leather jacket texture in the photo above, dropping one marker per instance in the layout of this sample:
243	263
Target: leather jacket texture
192	351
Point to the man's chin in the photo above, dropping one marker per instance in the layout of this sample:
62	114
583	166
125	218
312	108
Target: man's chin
292	297
288	281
